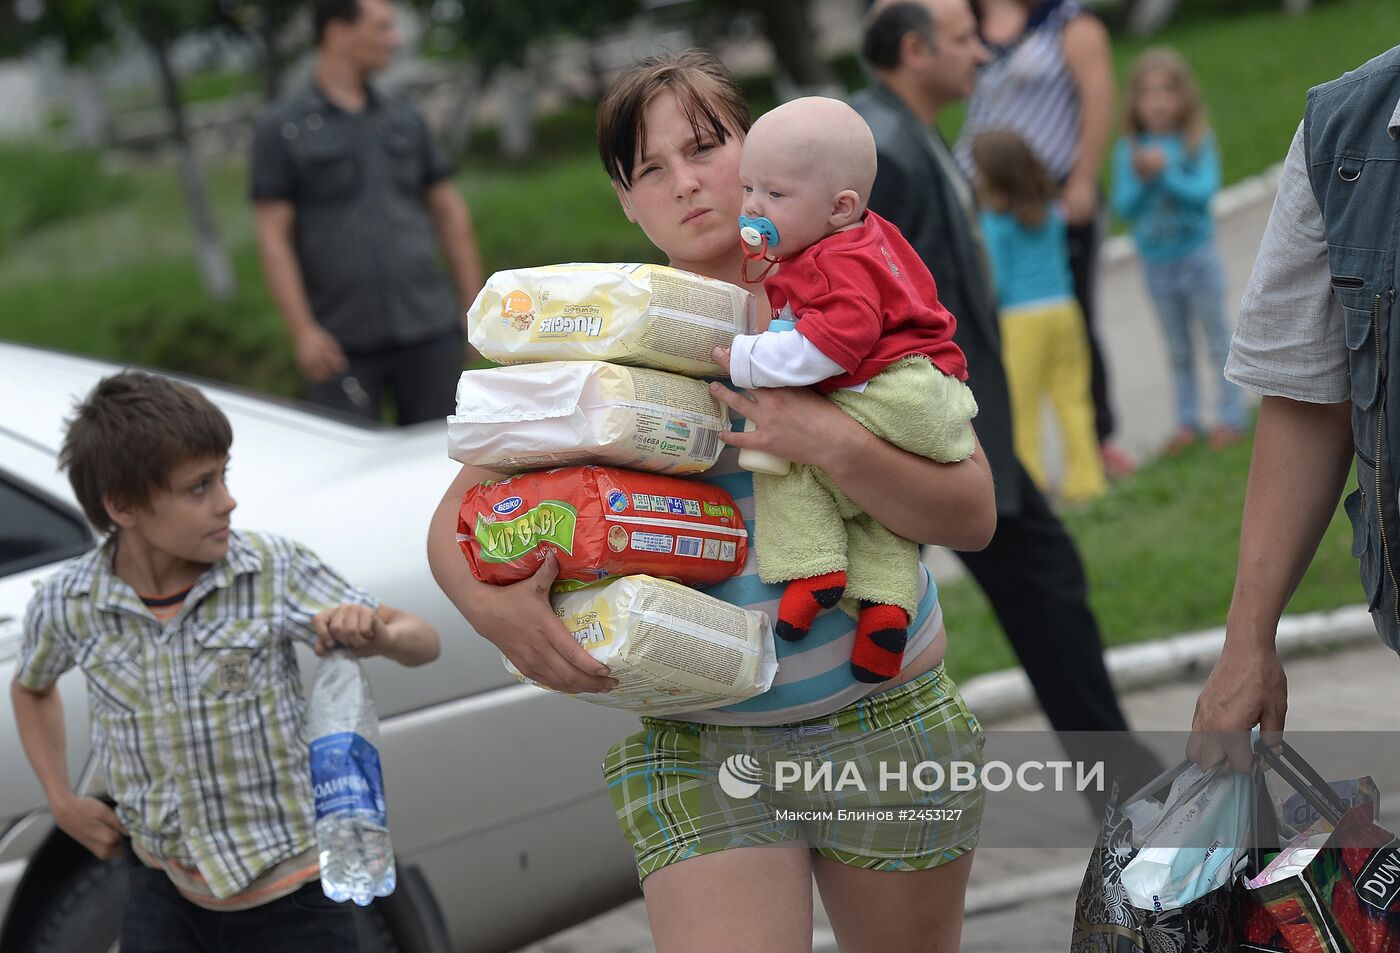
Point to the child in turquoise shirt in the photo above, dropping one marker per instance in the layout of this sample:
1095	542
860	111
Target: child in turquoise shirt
1165	172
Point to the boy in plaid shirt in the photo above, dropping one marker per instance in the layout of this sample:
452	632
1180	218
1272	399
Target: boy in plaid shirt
184	629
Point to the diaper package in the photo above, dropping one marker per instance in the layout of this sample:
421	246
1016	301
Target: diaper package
638	315
671	649
575	412
602	522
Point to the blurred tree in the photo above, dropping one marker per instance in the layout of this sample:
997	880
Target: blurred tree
499	35
84	26
787	24
266	22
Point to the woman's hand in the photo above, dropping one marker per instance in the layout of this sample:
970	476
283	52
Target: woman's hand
1080	199
792	423
519	621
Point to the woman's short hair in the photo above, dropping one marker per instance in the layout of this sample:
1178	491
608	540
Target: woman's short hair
707	92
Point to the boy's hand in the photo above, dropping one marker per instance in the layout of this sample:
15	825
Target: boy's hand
356	627
721	357
91	823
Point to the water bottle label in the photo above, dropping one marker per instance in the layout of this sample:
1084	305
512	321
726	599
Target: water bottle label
345	776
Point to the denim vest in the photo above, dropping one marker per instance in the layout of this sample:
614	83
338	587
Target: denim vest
1354	165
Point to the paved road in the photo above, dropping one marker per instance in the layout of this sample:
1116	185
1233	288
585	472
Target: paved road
1022	900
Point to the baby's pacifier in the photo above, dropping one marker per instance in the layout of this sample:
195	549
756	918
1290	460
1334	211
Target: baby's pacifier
758	235
756	231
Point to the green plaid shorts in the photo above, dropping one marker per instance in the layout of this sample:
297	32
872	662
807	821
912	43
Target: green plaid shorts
880	784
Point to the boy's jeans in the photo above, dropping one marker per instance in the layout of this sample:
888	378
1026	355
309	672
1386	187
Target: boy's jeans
157	919
1186	289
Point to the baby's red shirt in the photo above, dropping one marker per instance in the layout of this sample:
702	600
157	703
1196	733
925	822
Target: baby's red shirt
866	300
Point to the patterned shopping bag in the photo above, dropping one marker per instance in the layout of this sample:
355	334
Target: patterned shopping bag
1347	899
1104	921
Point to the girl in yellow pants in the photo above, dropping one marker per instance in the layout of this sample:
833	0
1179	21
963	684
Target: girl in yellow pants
1044	346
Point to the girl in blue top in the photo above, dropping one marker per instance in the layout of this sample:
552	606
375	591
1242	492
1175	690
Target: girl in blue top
1044	344
1165	172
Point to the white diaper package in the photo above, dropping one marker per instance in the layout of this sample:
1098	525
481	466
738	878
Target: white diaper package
671	649
638	315
567	413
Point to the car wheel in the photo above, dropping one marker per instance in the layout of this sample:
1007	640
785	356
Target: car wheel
86	913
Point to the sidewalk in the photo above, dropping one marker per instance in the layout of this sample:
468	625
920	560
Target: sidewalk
1022	900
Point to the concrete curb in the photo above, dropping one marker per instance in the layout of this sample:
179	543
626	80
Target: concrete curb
1007	694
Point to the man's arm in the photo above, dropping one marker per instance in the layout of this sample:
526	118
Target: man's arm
39	718
1086	48
453	222
318	355
1302	454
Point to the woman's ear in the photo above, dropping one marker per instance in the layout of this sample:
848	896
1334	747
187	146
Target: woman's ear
845	208
625	201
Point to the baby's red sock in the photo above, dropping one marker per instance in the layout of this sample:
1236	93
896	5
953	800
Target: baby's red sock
881	633
804	599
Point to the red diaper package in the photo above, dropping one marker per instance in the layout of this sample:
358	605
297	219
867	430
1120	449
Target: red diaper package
602	521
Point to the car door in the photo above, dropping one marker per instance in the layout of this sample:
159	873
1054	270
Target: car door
38	531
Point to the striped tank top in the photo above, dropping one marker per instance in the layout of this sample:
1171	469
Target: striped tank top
1027	88
814	676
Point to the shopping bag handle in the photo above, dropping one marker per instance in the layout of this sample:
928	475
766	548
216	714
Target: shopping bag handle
1162	782
1305	780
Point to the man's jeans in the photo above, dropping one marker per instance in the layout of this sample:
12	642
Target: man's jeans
1187	290
158	920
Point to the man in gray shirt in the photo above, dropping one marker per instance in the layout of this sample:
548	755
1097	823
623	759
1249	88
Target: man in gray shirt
1292	347
351	200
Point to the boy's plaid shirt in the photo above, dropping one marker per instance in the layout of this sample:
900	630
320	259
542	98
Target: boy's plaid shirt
200	720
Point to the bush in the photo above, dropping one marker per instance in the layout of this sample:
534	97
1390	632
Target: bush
41	185
211	341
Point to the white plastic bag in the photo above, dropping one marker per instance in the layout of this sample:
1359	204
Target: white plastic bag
1193	844
567	413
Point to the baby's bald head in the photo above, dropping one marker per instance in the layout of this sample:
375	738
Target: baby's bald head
823	138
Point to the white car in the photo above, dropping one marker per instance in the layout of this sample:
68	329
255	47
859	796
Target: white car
500	819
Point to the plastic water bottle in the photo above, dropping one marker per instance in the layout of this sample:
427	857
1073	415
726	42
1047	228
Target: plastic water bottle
760	461
357	857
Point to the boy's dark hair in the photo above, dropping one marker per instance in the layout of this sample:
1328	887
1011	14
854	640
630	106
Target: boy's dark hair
884	34
130	432
1010	178
324	11
708	94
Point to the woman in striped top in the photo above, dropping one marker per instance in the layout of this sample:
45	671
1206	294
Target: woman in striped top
670	132
1050	81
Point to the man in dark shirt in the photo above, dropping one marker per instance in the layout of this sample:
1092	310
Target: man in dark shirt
351	199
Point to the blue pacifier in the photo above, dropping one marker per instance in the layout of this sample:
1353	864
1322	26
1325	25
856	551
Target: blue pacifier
756	231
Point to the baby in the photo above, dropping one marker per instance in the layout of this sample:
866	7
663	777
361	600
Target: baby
869	333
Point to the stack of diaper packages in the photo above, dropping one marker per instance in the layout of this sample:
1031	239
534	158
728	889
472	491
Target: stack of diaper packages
601	412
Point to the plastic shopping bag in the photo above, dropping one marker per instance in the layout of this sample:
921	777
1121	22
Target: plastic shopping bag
1199	836
1345	897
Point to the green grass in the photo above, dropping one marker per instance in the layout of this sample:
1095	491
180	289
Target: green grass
41	186
1160	554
